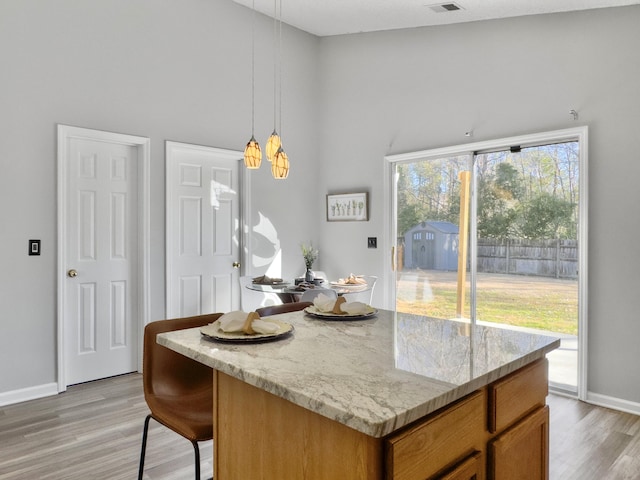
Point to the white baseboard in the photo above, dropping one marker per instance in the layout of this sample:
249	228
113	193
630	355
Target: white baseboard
46	390
613	403
31	393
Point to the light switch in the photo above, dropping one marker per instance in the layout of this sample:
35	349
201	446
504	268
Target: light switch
372	242
34	247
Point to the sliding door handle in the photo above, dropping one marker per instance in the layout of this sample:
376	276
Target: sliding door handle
393	259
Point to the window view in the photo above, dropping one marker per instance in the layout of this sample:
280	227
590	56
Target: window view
526	219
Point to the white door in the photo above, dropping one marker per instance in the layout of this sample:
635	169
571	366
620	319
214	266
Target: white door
203	229
101	260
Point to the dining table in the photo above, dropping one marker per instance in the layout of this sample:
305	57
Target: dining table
290	292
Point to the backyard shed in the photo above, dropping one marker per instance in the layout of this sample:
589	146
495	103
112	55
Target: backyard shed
432	245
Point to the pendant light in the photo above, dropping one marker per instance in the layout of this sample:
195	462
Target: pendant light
252	152
280	165
280	161
273	143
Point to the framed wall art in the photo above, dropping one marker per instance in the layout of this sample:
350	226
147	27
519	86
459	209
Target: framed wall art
348	207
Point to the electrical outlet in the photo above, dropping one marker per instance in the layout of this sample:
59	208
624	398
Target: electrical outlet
372	242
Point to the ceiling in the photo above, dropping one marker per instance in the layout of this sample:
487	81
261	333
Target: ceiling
337	17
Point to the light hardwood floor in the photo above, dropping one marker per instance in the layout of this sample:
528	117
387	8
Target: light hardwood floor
588	442
93	431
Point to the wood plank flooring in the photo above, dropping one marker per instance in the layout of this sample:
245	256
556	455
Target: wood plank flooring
93	431
589	442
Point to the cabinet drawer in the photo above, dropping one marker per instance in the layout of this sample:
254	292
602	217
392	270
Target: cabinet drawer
512	397
471	468
444	439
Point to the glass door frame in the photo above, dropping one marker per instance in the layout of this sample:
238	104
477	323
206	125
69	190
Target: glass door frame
579	134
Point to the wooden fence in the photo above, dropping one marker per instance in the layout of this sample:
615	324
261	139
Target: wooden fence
545	258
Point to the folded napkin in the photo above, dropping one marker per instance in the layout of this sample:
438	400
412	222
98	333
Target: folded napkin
324	303
355	308
352	280
262	326
265	280
235	322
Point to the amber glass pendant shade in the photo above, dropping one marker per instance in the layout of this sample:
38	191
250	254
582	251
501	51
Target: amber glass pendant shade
273	144
280	165
252	154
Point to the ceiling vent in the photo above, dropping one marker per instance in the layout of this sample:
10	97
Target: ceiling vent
445	7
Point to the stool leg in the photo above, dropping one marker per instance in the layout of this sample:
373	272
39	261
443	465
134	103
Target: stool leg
144	446
197	452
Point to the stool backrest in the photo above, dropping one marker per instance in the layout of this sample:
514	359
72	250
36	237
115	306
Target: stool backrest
284	308
165	372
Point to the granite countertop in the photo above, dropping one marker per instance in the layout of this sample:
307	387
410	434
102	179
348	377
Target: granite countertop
375	375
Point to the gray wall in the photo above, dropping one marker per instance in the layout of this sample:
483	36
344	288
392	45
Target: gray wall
400	91
162	69
181	71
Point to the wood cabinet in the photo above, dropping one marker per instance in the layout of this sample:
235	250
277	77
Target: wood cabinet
515	395
421	451
522	452
471	468
260	436
499	432
518	414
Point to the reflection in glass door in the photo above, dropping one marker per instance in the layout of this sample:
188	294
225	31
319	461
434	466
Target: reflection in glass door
523	246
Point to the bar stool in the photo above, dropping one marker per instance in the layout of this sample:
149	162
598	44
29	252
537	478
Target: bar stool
177	389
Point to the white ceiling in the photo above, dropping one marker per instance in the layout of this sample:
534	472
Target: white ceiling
336	17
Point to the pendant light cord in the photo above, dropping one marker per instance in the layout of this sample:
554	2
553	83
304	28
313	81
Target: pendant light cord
253	68
275	31
280	67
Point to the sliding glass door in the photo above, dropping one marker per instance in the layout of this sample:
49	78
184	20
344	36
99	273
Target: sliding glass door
428	213
494	236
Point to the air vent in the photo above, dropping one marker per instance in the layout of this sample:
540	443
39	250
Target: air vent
445	7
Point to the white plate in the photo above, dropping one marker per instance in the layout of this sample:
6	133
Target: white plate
348	285
213	332
312	310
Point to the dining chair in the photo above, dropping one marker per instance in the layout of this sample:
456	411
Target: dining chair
320	274
312	293
284	308
250	300
177	389
366	295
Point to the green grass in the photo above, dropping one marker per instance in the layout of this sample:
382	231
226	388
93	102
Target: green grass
539	306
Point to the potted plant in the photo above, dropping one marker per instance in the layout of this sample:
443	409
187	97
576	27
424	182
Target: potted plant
310	255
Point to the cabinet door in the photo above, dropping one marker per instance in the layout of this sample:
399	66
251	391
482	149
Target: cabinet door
522	452
472	468
438	442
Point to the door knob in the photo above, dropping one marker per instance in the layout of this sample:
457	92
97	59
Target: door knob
72	273
236	264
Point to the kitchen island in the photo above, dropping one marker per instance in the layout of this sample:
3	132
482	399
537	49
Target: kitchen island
395	396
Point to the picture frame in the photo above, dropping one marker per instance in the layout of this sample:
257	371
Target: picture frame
348	207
